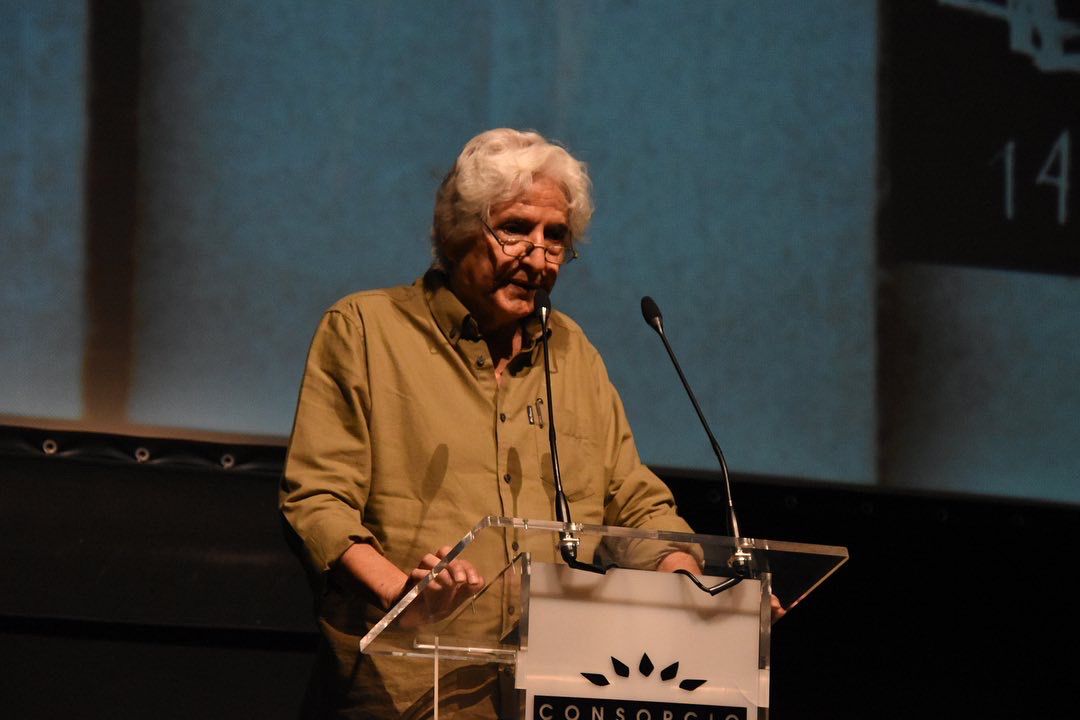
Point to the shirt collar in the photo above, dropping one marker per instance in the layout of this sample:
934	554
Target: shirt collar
532	329
450	315
456	323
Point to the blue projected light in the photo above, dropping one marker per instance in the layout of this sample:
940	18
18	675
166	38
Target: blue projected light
288	154
733	184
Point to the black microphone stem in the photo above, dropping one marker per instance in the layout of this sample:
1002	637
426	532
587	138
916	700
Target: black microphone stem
562	507
740	559
732	523
568	541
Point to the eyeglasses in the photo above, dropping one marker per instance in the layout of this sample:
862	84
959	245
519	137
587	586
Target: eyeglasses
518	246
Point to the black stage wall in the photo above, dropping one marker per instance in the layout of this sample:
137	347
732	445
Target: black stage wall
147	578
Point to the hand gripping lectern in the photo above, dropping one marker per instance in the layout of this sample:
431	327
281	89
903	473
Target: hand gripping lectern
626	644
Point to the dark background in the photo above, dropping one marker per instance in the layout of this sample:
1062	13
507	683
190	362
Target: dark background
165	589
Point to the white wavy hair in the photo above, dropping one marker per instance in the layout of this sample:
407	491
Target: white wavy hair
497	166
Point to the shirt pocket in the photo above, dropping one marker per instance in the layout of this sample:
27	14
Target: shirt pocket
581	464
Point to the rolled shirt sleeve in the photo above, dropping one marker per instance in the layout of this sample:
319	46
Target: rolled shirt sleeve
636	497
327	474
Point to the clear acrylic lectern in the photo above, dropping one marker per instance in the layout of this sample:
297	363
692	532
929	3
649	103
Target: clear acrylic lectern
629	642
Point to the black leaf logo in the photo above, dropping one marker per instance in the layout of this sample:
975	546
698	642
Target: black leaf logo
645	667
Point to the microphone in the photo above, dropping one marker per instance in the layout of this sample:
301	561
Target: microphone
740	560
568	541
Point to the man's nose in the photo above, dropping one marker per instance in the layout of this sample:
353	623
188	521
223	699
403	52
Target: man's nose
536	256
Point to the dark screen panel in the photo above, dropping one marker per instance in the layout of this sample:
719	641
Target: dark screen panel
982	114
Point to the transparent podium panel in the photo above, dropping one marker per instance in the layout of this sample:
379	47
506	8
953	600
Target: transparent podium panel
486	627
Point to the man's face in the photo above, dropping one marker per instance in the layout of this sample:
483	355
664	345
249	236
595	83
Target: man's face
497	289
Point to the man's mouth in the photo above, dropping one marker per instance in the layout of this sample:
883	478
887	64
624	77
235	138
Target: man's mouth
523	284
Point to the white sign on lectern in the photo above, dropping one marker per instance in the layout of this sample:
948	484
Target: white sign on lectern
614	645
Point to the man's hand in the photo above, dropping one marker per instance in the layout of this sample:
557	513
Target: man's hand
684	561
679	560
454	584
386	584
778	610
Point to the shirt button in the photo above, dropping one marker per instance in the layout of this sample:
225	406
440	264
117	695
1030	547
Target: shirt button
514	546
510	610
506	477
480	361
502	417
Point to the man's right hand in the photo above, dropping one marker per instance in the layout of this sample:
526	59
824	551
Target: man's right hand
456	583
381	579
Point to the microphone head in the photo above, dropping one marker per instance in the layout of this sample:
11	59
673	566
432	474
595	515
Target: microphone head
651	312
542	304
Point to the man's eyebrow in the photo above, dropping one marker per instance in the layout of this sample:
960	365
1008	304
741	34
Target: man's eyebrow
515	222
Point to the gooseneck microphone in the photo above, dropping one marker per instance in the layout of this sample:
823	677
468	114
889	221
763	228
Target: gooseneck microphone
740	560
568	539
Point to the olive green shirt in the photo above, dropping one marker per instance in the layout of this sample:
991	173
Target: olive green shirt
404	440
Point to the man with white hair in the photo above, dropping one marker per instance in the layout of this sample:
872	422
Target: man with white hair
422	410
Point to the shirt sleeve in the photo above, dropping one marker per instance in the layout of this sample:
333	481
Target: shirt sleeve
327	474
636	497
